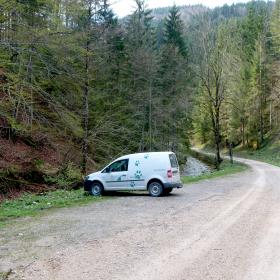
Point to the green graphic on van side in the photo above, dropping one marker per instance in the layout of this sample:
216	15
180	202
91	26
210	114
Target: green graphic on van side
146	156
119	179
137	163
133	180
132	184
138	174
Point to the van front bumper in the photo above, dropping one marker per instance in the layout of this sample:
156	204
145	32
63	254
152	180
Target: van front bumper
173	185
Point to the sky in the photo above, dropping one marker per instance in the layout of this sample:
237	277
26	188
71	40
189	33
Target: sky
124	7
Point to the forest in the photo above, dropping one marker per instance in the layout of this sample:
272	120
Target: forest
80	87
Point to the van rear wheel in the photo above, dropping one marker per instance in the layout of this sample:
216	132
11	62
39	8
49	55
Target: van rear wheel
96	189
155	189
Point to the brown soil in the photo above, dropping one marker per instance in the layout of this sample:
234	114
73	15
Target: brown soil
25	162
19	154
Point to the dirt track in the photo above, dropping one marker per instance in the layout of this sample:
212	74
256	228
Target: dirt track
227	228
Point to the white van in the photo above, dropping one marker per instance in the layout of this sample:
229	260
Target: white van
156	172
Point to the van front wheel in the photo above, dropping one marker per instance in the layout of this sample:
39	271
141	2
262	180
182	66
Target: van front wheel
155	189
96	189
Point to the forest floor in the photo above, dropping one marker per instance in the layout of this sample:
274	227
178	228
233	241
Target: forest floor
224	228
36	164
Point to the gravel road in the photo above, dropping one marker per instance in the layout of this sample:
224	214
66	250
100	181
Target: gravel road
227	228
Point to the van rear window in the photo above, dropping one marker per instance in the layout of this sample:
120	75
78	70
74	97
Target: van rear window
173	161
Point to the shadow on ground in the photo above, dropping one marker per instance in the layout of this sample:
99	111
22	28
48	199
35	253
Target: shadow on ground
131	194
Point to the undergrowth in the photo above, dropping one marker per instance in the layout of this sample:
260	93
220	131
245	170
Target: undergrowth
32	204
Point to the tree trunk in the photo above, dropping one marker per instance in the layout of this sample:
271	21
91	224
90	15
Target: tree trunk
85	114
86	93
243	131
150	115
218	153
217	137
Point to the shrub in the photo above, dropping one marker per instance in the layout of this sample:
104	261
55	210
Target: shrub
67	176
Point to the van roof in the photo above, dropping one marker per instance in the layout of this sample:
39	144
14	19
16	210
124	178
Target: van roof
145	153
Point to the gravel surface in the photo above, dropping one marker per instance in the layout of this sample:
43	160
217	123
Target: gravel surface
227	228
195	167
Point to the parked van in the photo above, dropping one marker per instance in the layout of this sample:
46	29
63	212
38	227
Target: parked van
157	173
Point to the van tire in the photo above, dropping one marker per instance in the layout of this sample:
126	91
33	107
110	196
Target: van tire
96	189
155	189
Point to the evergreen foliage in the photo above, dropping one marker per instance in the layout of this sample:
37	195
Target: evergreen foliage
152	81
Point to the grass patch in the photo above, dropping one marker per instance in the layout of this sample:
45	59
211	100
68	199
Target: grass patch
32	204
269	154
226	169
5	275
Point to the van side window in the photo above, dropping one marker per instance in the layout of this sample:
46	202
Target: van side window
119	166
173	161
106	170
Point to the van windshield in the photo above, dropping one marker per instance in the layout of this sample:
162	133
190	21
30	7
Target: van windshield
173	161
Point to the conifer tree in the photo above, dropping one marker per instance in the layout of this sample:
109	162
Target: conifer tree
173	73
275	28
173	33
142	60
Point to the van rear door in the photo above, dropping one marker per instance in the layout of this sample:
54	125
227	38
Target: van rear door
174	168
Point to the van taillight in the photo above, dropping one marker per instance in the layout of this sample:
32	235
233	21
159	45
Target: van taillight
169	173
